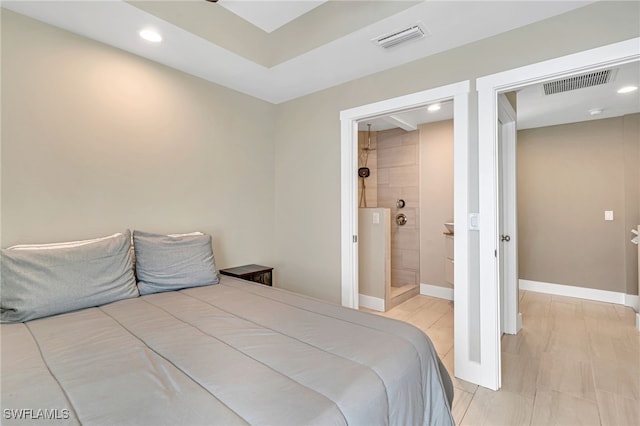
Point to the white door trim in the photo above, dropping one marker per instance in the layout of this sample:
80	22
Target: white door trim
488	87
459	92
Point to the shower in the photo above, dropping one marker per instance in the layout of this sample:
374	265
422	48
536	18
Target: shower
363	170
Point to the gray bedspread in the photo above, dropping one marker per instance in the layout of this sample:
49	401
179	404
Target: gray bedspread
232	353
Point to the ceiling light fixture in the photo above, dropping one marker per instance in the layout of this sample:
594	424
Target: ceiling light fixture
628	89
151	35
596	111
433	108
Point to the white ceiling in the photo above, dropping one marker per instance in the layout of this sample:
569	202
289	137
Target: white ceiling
269	15
535	109
347	56
410	120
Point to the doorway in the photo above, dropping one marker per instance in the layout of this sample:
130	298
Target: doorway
489	88
405	199
467	365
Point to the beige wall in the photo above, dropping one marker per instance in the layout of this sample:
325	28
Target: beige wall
436	199
307	134
96	140
568	175
398	178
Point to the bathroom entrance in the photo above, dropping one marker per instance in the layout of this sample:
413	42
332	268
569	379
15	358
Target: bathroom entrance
468	364
405	197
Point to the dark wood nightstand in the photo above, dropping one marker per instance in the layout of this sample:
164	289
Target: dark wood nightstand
256	273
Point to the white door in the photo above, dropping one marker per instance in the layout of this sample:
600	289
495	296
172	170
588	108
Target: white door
503	233
510	322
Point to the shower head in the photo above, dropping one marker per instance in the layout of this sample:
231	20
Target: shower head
368	147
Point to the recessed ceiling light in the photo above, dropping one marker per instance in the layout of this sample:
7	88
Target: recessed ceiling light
433	108
628	89
596	111
151	35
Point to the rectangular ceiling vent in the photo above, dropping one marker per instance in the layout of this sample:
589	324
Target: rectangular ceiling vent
577	82
397	37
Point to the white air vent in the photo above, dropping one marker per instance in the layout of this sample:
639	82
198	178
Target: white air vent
395	38
577	82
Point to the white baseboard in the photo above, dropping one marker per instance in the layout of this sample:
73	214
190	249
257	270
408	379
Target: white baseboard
370	302
632	300
581	293
436	291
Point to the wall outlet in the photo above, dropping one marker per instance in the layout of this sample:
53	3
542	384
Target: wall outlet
608	215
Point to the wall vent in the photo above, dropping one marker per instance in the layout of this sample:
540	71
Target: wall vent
577	82
401	36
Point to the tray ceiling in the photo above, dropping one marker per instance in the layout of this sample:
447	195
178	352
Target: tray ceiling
311	50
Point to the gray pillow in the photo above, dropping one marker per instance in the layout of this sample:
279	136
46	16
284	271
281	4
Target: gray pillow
39	281
172	262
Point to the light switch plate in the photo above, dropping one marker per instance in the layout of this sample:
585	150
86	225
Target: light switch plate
376	218
474	221
608	215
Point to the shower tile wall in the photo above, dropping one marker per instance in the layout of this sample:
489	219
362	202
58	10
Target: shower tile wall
398	177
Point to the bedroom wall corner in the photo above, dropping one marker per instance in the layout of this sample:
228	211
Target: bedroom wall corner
96	140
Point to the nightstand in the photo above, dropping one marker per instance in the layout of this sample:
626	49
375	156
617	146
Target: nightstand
256	273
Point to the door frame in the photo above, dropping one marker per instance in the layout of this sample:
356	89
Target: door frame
349	118
488	89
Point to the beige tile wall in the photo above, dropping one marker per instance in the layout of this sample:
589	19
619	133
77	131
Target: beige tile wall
397	178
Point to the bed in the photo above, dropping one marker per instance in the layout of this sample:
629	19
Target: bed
223	352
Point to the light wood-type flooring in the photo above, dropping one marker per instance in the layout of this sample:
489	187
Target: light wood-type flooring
575	362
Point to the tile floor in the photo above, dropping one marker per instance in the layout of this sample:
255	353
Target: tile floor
575	362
